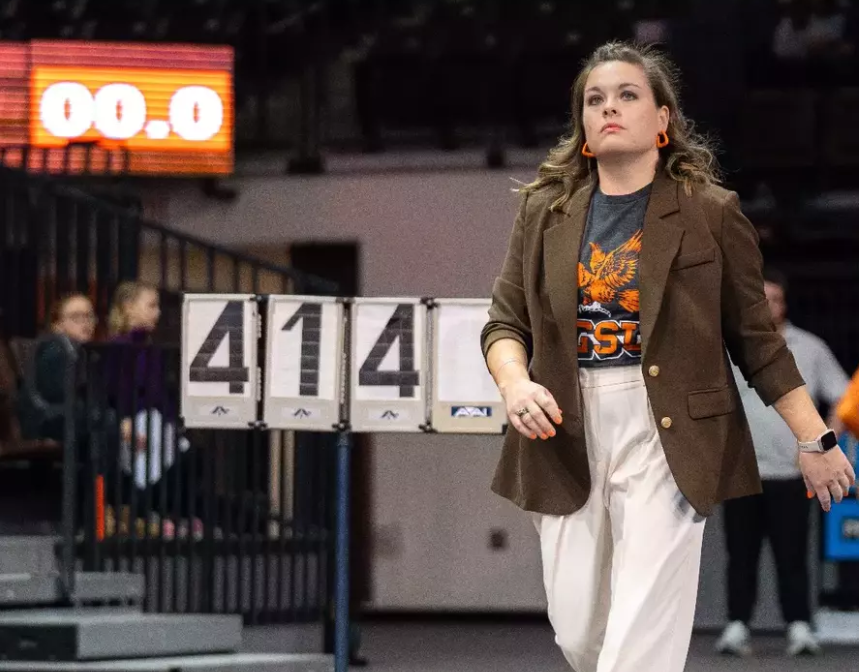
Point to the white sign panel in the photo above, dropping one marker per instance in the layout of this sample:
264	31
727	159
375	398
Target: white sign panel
388	365
465	398
304	349
219	360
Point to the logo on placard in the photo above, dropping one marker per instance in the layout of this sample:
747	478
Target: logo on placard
301	413
390	415
471	412
850	528
220	410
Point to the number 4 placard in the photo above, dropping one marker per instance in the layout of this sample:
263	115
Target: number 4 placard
388	365
219	360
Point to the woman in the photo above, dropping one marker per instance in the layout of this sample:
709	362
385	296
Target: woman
42	398
628	272
41	405
139	392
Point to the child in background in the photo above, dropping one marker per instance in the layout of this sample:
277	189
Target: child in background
149	418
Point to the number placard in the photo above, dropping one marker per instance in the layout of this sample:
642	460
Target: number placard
219	360
387	365
304	347
465	398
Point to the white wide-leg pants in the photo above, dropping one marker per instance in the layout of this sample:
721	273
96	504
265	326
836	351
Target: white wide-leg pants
621	574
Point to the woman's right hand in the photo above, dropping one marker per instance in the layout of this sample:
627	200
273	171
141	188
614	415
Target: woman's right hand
541	407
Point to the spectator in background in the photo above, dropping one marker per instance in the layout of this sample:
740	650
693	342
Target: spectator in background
41	404
41	401
137	388
781	512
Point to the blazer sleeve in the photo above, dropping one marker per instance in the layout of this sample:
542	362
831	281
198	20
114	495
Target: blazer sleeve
753	342
508	314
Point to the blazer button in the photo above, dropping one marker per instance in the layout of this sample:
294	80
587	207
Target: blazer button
653	371
666	423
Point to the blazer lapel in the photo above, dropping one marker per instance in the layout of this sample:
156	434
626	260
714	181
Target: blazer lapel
659	245
561	245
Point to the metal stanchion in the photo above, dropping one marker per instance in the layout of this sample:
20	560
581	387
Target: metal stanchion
341	596
70	493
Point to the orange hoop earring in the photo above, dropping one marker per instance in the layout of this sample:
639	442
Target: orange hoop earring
588	153
662	139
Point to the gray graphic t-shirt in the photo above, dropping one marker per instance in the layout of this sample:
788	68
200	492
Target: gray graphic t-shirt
608	320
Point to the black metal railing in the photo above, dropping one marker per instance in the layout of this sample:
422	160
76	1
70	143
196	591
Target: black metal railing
55	238
216	521
236	523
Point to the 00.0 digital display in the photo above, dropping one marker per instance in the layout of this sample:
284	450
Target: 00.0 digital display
138	109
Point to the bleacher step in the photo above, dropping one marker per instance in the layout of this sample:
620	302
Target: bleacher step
34	590
28	555
90	634
232	663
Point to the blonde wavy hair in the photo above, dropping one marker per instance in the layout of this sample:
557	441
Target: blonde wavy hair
688	158
125	294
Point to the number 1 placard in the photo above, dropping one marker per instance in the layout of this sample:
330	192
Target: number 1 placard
219	360
388	365
304	347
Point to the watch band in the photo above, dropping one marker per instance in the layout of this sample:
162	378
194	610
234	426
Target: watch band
822	444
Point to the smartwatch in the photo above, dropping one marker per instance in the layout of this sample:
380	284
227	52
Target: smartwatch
823	444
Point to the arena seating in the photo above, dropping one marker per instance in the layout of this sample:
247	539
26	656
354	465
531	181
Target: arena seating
12	445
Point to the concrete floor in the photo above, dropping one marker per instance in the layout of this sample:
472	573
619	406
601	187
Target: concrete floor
435	646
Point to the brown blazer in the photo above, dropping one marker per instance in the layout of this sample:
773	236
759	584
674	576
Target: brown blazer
701	289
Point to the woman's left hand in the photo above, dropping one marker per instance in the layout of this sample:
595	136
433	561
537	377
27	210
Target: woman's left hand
828	475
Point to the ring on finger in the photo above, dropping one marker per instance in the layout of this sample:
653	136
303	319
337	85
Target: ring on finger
528	419
522	412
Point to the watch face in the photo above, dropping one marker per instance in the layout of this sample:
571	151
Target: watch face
828	441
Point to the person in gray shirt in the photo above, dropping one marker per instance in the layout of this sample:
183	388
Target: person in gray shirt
781	512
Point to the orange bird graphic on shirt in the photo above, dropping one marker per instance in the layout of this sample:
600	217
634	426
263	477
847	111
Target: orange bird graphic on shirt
609	273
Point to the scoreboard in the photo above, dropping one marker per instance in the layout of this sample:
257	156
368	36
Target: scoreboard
168	108
366	364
